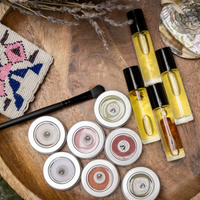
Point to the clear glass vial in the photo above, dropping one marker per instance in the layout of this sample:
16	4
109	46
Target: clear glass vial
140	183
141	105
62	170
174	86
112	109
123	146
85	139
100	178
47	135
144	48
165	121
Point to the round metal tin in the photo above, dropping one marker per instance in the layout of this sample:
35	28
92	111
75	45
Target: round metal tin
47	135
123	146
112	109
140	183
85	139
100	178
62	170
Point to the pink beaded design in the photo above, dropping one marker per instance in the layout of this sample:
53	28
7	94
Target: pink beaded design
23	67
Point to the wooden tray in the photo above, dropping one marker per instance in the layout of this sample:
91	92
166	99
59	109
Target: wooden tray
80	63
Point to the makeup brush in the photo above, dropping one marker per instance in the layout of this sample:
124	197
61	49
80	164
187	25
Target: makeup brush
91	94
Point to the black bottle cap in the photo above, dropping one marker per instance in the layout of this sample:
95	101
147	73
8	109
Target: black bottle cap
133	78
139	23
157	95
165	59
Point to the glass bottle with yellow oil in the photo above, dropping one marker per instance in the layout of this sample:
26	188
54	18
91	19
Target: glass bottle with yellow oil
144	48
165	122
174	86
141	105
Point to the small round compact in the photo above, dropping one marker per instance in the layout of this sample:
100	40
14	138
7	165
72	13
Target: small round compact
62	171
47	135
123	146
85	139
100	178
112	109
140	183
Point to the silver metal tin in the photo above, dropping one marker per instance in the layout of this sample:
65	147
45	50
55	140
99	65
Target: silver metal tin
54	130
123	146
141	181
85	139
76	171
108	103
96	174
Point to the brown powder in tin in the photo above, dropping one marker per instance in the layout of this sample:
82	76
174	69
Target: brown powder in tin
93	183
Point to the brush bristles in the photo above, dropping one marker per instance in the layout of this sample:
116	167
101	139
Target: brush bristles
97	90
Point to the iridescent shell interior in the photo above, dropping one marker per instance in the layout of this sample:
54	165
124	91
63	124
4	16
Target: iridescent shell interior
181	32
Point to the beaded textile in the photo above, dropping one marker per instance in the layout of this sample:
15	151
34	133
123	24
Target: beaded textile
23	67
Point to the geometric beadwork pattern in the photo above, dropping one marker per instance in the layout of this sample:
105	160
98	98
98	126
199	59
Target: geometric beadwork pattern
23	67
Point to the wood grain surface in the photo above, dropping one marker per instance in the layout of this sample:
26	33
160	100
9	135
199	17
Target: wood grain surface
81	62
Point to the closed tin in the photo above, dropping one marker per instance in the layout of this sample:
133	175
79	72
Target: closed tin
100	178
112	109
62	171
85	139
47	135
123	146
140	183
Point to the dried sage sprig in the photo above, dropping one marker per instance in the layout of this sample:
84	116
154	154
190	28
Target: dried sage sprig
80	11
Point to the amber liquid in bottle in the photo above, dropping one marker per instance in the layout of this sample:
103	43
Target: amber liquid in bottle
169	134
144	116
146	57
177	96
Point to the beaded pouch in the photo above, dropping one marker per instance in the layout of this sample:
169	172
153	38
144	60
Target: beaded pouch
23	67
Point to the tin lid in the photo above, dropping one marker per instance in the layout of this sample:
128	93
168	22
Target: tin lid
85	139
165	59
123	146
140	183
62	170
112	109
133	78
139	23
46	135
100	178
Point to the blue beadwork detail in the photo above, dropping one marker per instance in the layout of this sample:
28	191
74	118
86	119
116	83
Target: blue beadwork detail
22	72
16	84
36	68
18	101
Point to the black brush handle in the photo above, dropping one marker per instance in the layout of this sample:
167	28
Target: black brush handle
49	109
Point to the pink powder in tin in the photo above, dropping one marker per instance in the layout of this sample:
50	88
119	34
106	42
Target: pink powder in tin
86	140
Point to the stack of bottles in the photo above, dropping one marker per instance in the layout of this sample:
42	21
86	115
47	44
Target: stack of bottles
156	92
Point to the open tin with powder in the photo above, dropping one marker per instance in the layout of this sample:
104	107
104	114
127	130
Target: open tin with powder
112	109
140	183
62	170
123	146
100	178
85	139
47	135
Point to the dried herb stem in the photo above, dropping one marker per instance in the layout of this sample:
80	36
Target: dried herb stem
88	11
29	9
